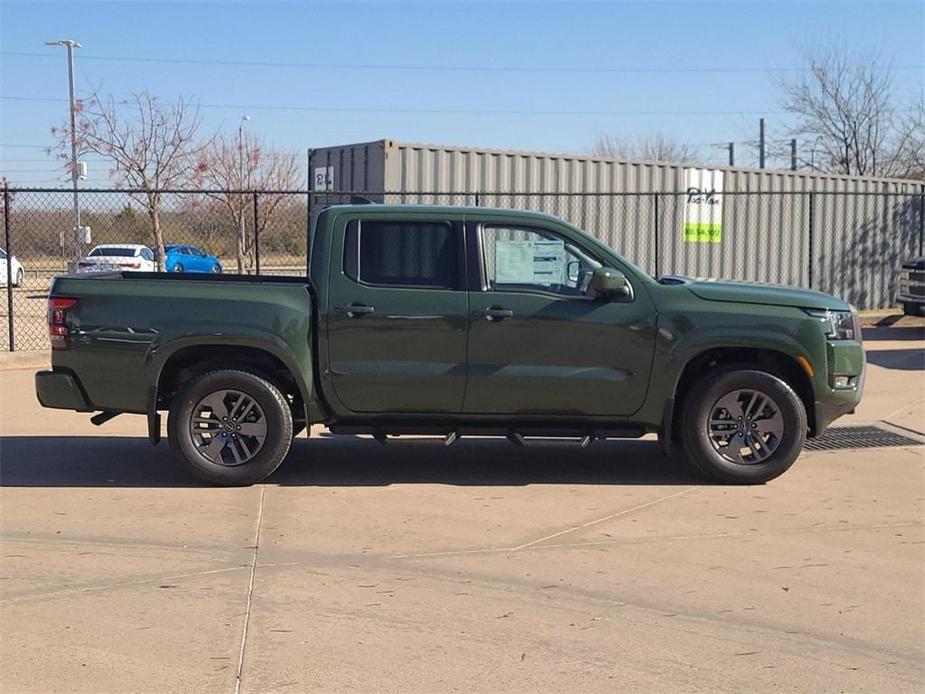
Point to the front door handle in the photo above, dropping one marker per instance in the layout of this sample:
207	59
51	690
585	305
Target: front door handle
355	310
496	313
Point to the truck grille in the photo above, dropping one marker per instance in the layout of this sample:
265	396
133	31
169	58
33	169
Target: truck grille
912	282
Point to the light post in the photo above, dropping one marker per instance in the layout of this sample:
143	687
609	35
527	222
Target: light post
71	44
241	234
812	153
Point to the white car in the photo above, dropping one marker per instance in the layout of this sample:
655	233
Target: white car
16	272
118	257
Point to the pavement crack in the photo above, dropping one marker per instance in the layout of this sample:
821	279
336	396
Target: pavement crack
250	591
608	517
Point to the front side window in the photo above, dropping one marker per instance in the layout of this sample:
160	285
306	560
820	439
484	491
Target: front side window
535	260
2	255
147	254
403	254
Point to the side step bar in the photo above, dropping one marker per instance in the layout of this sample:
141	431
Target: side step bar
519	437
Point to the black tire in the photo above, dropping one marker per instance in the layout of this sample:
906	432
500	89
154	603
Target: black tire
710	453
269	407
19	278
913	309
178	267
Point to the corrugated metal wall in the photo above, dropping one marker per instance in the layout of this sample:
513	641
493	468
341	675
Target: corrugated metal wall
843	235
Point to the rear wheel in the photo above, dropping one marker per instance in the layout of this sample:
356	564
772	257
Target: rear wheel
216	269
743	426
20	278
178	268
913	309
230	427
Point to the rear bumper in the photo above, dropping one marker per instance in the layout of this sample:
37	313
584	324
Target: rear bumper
60	390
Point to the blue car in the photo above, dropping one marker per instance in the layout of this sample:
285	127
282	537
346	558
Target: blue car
184	258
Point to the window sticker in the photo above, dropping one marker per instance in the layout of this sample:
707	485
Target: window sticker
530	262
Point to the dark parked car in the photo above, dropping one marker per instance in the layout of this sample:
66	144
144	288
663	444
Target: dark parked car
455	321
186	258
912	287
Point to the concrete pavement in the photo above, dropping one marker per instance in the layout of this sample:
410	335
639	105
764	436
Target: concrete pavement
480	567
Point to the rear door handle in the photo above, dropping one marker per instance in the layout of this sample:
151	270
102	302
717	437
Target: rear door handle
496	313
355	310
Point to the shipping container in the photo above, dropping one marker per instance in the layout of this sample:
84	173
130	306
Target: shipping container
844	235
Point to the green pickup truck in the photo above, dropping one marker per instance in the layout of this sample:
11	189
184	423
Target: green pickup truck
453	321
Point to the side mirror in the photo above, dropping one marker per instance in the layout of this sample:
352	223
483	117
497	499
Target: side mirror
573	270
610	283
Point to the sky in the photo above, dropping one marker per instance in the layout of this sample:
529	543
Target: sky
537	76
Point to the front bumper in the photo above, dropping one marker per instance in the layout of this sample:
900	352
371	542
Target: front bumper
61	390
844	358
917	299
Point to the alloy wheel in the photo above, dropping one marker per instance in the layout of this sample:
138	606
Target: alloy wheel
745	426
228	427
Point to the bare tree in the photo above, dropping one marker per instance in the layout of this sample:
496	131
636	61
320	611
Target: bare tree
848	106
657	147
232	165
151	145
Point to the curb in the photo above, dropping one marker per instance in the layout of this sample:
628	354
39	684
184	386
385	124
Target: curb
10	361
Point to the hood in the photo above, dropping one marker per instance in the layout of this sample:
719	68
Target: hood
768	294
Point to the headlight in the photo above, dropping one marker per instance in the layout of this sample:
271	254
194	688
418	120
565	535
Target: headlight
839	325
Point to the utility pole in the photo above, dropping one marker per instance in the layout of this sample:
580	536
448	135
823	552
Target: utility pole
732	154
793	154
71	44
761	143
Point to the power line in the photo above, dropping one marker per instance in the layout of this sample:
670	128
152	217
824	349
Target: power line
429	111
440	68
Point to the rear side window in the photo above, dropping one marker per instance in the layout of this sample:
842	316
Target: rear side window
404	254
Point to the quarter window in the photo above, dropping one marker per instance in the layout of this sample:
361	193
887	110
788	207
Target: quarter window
403	254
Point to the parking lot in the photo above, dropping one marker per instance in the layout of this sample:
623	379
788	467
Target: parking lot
479	567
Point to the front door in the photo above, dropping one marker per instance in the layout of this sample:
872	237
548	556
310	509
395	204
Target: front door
540	342
398	316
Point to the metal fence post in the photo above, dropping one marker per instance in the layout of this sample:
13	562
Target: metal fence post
812	228
656	229
308	232
921	224
256	237
9	264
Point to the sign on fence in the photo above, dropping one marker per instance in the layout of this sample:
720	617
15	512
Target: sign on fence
703	209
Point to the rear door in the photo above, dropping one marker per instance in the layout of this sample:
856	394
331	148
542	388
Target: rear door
397	314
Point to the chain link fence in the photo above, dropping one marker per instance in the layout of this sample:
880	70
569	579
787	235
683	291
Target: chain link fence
850	245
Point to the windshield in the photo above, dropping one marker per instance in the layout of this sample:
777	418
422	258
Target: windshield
112	252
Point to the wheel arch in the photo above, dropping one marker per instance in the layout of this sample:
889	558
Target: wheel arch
778	363
186	362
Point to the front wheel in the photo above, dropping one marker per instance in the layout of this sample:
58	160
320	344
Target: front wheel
20	278
743	426
230	427
178	268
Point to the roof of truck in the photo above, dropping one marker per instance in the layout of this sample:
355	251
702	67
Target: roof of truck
456	210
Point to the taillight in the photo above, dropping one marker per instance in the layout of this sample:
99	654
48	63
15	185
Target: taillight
58	331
